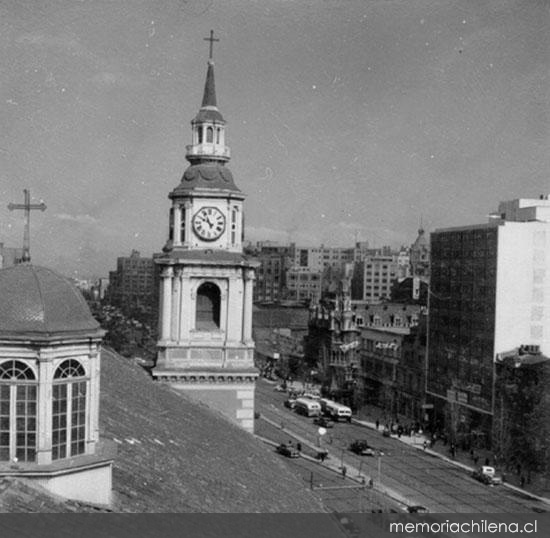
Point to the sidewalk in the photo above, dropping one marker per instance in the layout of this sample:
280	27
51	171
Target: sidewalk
462	459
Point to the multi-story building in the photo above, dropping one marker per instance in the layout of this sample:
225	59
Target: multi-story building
271	277
131	286
490	293
333	343
391	358
303	284
316	259
375	275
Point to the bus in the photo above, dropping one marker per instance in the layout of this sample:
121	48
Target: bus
335	410
307	407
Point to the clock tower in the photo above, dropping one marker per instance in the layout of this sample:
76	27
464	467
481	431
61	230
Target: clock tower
205	346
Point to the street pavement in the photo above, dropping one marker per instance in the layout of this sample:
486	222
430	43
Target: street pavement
406	472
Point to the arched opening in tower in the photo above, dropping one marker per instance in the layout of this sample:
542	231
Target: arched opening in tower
208	307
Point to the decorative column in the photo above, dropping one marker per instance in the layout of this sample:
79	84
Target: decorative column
187	216
185	313
176	301
44	412
166	276
247	305
93	409
177	226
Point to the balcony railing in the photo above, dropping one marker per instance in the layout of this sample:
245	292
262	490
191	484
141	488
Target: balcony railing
208	149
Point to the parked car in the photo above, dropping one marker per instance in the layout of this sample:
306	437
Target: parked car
290	403
288	450
362	448
417	509
487	475
323	422
386	432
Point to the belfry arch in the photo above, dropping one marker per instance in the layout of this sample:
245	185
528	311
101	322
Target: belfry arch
207	314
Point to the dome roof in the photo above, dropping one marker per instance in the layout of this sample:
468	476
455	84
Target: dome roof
37	302
210	175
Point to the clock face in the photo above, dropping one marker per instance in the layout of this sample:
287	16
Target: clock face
209	223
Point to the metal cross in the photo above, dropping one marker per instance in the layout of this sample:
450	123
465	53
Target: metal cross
211	39
27	206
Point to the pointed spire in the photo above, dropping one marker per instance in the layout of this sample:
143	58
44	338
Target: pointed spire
209	96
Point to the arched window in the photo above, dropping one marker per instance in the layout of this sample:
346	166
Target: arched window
218	131
18	389
208	307
209	135
199	134
69	410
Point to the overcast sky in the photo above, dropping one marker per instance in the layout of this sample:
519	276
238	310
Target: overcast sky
347	119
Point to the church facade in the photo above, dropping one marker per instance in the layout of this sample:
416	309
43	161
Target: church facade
205	346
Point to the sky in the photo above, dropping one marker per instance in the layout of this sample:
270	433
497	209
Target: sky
347	120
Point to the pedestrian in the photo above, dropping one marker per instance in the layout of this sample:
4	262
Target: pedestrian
344	471
371	483
377	424
299	447
476	459
486	461
425	444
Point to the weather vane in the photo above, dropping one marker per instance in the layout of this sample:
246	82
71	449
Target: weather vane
27	207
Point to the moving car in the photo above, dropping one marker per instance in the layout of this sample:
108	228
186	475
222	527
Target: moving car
487	475
417	509
288	450
290	403
323	422
362	448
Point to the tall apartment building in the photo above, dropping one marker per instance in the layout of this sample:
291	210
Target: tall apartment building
271	277
131	286
318	258
375	275
490	295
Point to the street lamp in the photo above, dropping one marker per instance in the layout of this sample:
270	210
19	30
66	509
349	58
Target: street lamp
380	454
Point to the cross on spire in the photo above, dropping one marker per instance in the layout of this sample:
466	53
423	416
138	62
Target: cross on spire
27	207
211	39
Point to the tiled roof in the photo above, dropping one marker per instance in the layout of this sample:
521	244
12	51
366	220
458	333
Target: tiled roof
179	456
206	175
174	455
36	301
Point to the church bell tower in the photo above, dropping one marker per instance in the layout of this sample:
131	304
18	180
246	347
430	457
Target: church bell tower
205	346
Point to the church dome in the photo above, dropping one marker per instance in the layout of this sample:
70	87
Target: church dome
36	302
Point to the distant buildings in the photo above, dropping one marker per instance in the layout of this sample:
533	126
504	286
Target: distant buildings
304	274
132	285
375	275
490	295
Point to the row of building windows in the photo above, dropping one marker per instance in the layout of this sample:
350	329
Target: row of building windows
18	411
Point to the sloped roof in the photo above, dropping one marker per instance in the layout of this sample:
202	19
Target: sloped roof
37	302
176	455
205	175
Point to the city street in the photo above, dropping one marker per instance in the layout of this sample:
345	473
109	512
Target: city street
419	477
